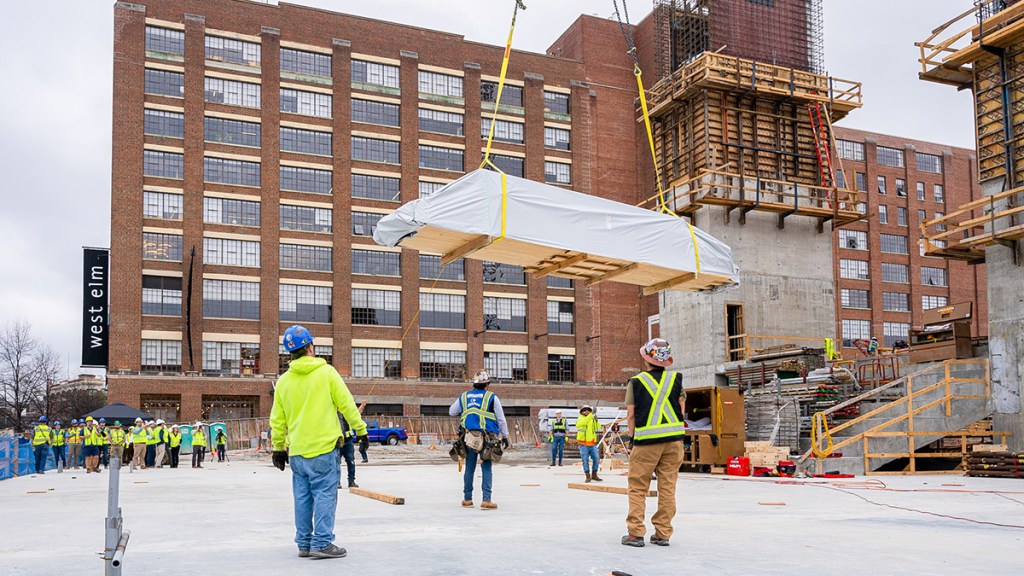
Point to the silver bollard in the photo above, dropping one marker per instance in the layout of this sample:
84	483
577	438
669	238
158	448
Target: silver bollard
114	540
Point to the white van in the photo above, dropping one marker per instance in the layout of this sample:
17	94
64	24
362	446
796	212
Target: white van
604	415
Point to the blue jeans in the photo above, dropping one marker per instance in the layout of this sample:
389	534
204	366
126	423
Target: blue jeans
348	452
467	476
59	459
41	457
557	449
589	455
315	490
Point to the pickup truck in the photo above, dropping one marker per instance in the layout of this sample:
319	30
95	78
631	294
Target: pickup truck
385	435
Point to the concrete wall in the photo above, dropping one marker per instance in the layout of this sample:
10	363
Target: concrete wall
786	289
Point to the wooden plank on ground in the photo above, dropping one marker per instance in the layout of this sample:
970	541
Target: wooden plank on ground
386	498
608	489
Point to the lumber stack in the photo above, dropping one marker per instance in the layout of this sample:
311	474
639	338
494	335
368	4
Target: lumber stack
764	455
995	461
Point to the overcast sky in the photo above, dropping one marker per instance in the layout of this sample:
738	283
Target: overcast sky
55	116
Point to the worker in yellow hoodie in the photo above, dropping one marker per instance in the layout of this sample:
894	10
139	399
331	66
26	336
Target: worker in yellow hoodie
198	445
587	431
306	433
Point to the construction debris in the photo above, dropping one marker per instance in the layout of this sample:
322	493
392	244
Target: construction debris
995	464
609	489
386	498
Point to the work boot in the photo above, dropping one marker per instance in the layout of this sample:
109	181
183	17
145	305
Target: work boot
588	476
303	552
552	463
659	541
593	475
331	551
467	503
634	541
488	505
559	463
353	485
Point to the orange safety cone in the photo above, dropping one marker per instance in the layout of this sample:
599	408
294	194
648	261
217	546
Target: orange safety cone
536	444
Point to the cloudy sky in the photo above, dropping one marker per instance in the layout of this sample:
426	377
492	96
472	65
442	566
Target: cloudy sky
55	116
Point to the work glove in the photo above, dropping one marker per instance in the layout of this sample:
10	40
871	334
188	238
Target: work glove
363	440
279	458
505	443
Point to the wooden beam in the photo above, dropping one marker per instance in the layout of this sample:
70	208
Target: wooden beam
466	249
612	274
386	498
569	261
654	288
608	489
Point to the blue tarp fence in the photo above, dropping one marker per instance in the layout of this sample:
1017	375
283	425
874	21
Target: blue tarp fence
18	459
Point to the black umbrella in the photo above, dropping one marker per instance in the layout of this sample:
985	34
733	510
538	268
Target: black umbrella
119	411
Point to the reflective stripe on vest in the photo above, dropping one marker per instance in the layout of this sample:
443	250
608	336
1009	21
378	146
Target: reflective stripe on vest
91	436
175	439
484	416
42	435
662	421
58	437
559	425
74	436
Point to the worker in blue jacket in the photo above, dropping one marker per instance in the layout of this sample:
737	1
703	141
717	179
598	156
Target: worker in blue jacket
484	427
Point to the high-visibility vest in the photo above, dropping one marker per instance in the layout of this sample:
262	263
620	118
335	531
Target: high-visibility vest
42	435
558	425
662	421
116	437
586	429
91	435
151	437
139	434
104	435
175	439
74	436
222	439
478	411
197	438
58	437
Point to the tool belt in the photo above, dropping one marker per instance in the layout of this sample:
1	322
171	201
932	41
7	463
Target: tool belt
487	444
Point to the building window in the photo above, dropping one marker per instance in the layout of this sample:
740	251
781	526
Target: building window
862	207
883	214
164	83
901	216
309	63
855	330
297	303
305	141
893	244
375	187
236	132
374	73
929	302
929	163
306	103
161	356
853	239
377	362
560	316
370	112
561	368
557	138
162	205
901	188
894	332
441	122
236	172
430	269
376	307
939	195
306	218
161	295
300	257
440	84
556	102
920	190
231	252
933	276
881	184
442	311
365	223
922	216
428	188
503	273
504	131
855	298
505	365
849	150
890	157
841	179
861	181
163	123
285	358
165	40
230	358
511	165
940	227
441	158
443	365
231	299
557	172
232	51
306	180
895	302
504	314
157	246
376	263
163	164
896	273
235	212
231	92
854	269
510	95
557	282
375	150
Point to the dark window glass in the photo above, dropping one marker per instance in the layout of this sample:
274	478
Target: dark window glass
430	269
163	164
225	171
440	122
850	150
299	257
161	295
376	263
228	211
164	83
165	40
442	311
306	103
556	282
894	332
374	73
442	365
301	62
928	162
557	138
375	150
234	132
503	273
557	172
375	187
222	358
890	157
899	273
933	276
305	304
855	330
855	298
232	51
440	158
510	95
306	218
364	223
561	368
162	205
560	316
228	252
376	307
893	243
556	102
306	180
511	165
305	141
370	112
163	123
231	299
505	314
896	301
161	246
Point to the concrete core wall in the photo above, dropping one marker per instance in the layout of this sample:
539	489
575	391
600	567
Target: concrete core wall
786	289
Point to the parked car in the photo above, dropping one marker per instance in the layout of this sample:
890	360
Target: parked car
390	436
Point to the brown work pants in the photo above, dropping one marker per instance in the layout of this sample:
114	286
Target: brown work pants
138	457
665	458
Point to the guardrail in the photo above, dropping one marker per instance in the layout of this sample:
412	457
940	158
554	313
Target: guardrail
964	233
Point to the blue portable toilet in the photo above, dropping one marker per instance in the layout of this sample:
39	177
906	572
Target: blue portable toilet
211	441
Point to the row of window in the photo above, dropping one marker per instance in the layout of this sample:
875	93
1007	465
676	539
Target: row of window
886	156
891	272
891	301
861	330
938	193
888	243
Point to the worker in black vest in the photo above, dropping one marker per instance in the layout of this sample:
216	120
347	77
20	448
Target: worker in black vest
558	432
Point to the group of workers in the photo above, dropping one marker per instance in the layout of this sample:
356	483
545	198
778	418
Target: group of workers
90	443
314	422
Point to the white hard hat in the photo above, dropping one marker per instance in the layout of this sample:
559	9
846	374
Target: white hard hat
197	424
159	422
138	419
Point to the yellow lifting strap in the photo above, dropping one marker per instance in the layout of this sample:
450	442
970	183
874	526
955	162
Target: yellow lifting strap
501	85
819	430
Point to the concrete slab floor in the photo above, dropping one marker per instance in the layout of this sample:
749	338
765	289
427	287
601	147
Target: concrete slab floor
237	519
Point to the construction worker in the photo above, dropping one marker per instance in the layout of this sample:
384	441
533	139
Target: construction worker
161	443
58	437
483	426
116	436
104	436
140	439
74	442
307	399
198	445
587	431
348	452
174	443
152	439
41	444
91	441
654	406
558	432
222	444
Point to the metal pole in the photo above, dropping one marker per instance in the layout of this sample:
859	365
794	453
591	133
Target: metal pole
114	542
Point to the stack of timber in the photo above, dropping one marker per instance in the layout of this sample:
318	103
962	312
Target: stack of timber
995	461
764	455
763	412
764	364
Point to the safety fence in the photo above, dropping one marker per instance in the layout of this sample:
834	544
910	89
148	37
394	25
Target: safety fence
18	459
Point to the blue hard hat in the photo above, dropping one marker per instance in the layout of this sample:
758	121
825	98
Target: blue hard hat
103	420
42	418
57	423
297	337
73	421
